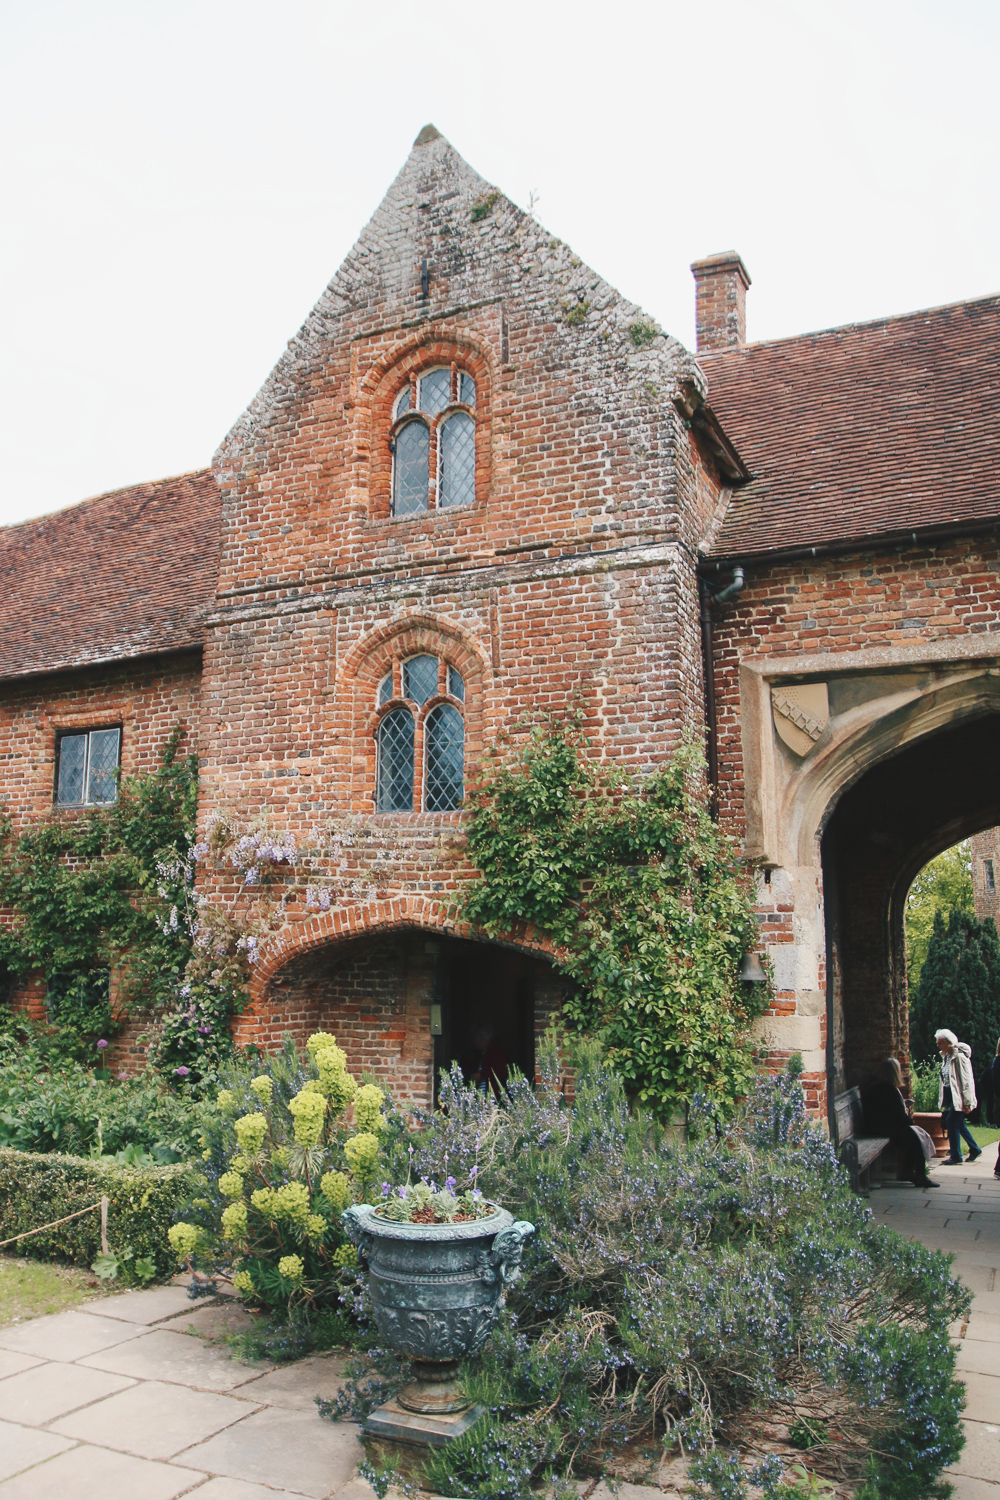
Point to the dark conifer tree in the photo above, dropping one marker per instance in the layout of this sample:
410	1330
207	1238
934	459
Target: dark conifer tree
959	988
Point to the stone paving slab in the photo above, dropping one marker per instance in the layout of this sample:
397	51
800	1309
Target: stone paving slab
239	1489
963	1488
174	1357
87	1473
40	1395
982	1397
148	1307
984	1325
153	1420
13	1364
981	1455
213	1321
21	1447
982	1357
65	1336
297	1385
282	1447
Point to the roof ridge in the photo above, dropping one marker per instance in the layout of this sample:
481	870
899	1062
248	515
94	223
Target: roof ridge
75	505
884	322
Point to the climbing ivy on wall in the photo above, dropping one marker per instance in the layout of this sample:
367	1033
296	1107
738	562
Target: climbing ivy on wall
87	895
645	899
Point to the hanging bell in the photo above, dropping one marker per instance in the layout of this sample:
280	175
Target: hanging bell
752	971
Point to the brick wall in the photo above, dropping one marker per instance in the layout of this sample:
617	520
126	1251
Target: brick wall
148	699
986	875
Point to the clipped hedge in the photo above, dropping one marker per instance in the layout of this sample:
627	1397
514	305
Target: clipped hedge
35	1189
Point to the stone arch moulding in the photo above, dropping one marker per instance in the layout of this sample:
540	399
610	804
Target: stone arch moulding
341	923
378	373
881	701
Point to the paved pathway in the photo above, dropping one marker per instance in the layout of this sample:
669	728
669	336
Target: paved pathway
963	1216
118	1400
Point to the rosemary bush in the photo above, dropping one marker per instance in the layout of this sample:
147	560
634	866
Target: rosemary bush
681	1296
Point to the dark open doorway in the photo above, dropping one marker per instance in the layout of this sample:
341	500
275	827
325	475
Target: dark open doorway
480	988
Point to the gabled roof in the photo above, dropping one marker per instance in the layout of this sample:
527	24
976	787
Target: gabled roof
123	575
874	430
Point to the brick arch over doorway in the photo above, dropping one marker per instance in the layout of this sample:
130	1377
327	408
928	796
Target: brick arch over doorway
405	1000
896	817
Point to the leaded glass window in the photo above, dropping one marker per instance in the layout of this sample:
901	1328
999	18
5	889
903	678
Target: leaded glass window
420	678
466	389
458	461
402	402
444	735
87	771
395	762
410	469
456	684
385	689
434	391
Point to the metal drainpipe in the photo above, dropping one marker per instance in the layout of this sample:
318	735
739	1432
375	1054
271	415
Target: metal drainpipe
708	601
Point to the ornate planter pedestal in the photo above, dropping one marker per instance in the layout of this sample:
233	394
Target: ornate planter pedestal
436	1291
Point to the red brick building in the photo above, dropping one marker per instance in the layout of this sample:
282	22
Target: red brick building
480	483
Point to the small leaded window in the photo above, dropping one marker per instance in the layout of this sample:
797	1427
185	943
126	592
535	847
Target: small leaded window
444	739
988	875
420	678
87	768
434	449
409	740
395	761
409	470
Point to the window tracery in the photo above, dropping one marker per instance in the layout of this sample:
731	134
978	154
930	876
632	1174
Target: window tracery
420	736
433	441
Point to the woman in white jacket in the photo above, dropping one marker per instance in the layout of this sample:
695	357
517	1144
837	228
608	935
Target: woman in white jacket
956	1095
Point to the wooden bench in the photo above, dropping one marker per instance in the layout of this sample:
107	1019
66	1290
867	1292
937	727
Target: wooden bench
858	1152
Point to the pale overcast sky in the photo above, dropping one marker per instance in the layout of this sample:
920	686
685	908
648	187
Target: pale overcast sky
179	181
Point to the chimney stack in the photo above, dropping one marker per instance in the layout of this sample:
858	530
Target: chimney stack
721	283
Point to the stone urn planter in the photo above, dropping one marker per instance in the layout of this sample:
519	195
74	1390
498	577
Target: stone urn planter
436	1291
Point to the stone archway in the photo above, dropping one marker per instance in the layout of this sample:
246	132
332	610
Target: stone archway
896	817
889	712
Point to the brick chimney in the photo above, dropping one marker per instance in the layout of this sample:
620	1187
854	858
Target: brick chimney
721	283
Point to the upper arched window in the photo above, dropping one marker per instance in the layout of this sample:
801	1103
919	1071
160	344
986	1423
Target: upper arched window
420	736
434	442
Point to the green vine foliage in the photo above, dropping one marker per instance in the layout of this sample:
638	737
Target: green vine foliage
87	896
647	904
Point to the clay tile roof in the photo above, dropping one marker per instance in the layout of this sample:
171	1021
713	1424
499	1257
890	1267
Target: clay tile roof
124	575
877	429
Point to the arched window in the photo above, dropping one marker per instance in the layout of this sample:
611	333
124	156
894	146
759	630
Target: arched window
434	442
457	461
409	470
444	752
395	761
420	743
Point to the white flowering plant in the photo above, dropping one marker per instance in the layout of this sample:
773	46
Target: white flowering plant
296	1139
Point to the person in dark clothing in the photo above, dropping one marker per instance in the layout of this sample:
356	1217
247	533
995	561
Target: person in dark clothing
886	1114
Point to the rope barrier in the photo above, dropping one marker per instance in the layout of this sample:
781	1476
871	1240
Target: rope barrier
102	1205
